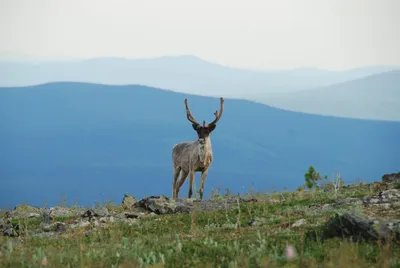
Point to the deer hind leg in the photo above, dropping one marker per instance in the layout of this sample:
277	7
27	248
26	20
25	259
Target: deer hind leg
203	179
184	175
177	170
191	174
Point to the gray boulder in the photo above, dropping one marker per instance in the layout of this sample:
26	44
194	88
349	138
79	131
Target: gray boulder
357	228
389	178
158	204
128	202
96	212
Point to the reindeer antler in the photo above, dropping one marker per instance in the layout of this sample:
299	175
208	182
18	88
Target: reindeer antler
189	115
218	115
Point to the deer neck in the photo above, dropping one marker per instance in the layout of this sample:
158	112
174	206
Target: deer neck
204	148
207	143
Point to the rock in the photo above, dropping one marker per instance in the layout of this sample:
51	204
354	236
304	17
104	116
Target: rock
84	224
128	202
388	198
257	221
349	200
299	223
389	178
183	208
165	205
60	227
46	227
106	219
103	220
45	213
132	215
23	211
158	204
61	212
241	200
80	224
101	212
357	228
54	227
10	232
96	212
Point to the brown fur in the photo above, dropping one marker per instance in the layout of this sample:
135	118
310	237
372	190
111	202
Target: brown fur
194	156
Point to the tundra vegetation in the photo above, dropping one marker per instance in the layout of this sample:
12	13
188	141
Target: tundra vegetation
332	225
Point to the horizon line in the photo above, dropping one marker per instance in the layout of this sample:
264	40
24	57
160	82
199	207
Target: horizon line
28	58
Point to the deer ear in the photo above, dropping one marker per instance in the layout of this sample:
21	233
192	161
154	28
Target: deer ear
195	126
212	127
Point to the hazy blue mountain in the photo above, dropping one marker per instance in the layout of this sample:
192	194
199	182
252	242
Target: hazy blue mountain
95	142
187	74
372	97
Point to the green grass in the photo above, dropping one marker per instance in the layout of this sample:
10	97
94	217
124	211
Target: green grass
206	239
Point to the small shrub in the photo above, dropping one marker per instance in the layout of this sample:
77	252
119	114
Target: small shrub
312	177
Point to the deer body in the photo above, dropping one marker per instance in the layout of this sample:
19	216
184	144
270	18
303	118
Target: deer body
194	156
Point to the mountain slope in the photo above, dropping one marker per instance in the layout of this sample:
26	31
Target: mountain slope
94	142
186	74
373	97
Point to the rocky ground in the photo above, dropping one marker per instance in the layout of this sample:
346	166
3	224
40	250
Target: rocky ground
58	219
358	213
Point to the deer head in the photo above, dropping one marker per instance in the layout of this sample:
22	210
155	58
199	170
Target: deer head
203	131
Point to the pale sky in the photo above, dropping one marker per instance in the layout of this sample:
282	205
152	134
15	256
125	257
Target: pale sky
256	34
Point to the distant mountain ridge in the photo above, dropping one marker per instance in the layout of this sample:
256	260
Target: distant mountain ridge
192	75
372	97
95	142
188	74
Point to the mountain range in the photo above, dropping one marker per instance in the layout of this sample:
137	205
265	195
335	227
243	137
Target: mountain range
372	97
192	75
94	142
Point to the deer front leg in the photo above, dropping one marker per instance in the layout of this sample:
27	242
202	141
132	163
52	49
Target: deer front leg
184	175
203	179
174	182
191	174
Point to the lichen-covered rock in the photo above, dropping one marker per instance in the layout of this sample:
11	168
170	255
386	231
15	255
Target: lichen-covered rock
357	228
128	202
133	215
389	178
23	211
386	199
96	212
158	204
299	223
11	232
61	212
165	205
54	227
80	224
349	200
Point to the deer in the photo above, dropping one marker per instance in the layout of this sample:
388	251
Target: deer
194	156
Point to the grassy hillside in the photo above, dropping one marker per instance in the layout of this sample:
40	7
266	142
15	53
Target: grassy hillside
276	229
91	142
373	97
